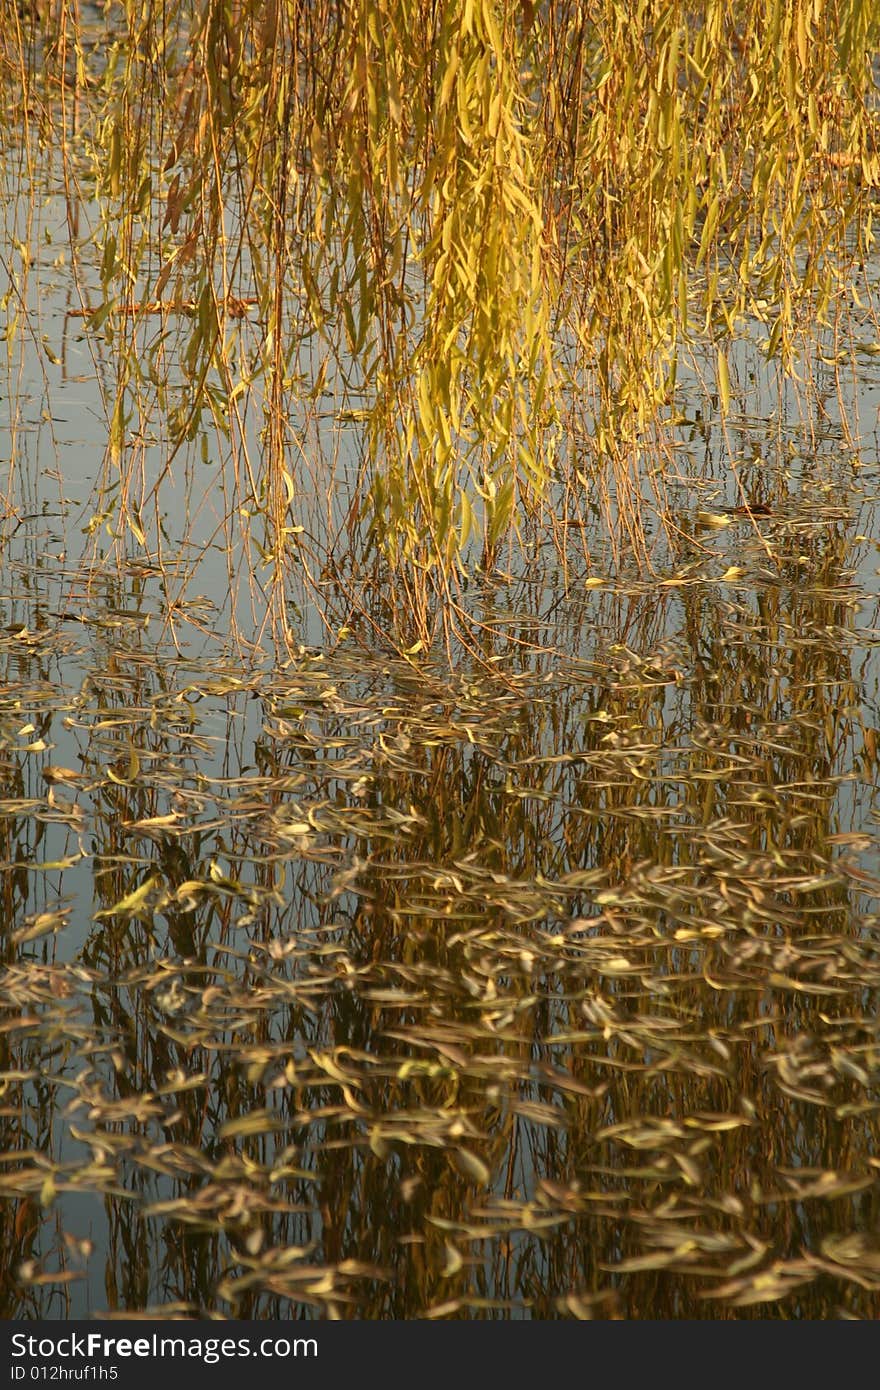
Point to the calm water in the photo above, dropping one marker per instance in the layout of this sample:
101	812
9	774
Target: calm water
538	983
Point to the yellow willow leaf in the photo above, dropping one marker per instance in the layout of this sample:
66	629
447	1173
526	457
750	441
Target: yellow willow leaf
801	38
319	148
448	79
775	338
49	865
468	521
454	1261
514	194
114	167
712	215
672	57
117	430
723	382
470	1166
871	170
426	408
132	902
464	125
445	435
494	120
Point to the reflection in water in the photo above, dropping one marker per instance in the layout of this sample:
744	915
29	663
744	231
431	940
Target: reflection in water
550	993
356	988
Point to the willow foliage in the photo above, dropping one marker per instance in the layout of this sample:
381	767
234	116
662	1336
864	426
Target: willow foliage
476	222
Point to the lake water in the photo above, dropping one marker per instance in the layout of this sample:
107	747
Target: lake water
539	980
